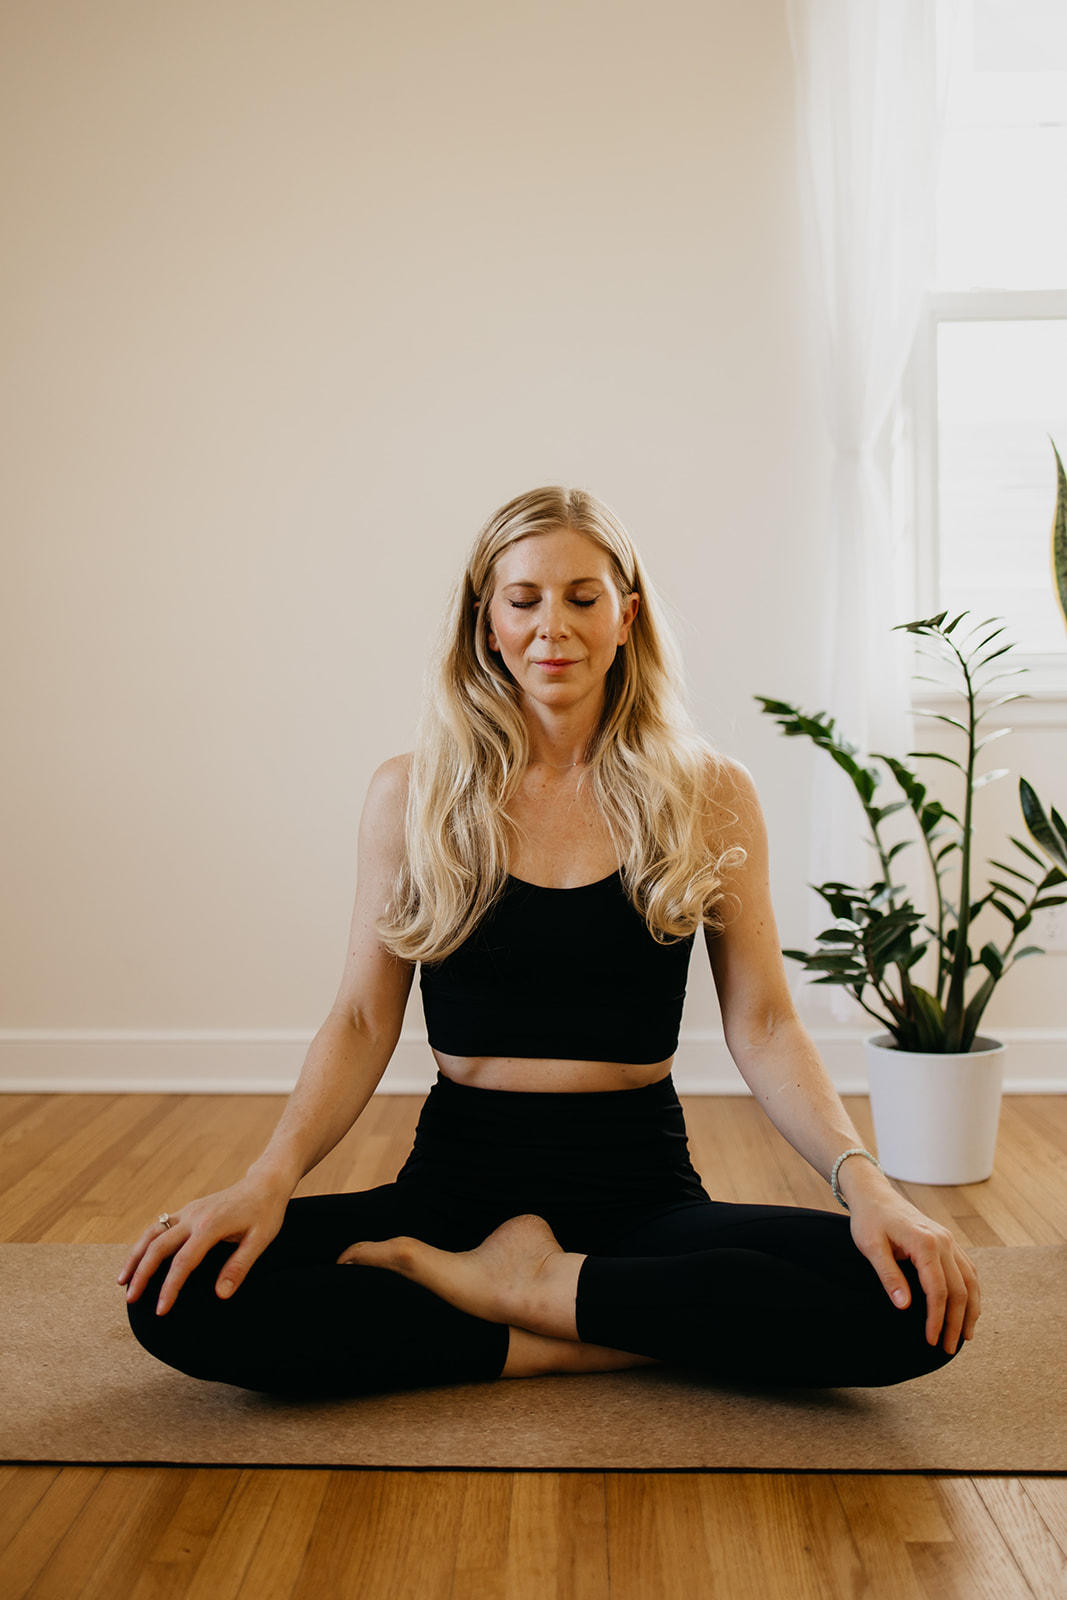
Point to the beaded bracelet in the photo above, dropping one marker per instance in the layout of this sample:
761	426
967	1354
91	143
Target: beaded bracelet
856	1151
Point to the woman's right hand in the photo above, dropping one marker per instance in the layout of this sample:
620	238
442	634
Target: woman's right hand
247	1214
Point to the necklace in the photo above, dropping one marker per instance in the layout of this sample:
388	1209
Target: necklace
555	768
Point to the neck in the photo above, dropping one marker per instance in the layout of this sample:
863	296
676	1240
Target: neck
559	739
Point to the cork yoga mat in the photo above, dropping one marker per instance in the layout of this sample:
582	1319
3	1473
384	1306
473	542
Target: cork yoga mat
76	1386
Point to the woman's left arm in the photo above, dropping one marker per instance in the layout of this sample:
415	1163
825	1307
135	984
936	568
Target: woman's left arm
778	1060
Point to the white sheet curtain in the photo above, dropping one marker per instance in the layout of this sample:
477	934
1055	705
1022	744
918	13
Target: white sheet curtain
868	124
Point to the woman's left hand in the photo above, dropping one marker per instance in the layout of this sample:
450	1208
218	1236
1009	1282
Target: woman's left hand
888	1229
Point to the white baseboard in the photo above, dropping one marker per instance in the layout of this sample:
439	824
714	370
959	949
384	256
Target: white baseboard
250	1061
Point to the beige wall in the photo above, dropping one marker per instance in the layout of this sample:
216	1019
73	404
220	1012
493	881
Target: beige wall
295	295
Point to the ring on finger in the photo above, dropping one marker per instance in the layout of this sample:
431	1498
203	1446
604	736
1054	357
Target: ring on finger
165	1219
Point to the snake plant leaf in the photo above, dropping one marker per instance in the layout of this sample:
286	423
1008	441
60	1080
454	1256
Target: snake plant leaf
1040	828
1059	535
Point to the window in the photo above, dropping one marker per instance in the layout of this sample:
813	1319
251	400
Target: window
989	378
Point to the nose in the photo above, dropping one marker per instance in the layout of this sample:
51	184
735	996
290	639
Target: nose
553	622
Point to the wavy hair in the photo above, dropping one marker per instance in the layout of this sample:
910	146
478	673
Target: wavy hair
647	768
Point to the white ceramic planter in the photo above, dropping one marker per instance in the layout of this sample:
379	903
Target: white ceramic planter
935	1116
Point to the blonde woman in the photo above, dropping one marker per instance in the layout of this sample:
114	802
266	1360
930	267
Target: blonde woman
548	855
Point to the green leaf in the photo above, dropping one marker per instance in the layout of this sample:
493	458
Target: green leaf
1059	534
941	716
1002	866
1030	950
1025	850
1040	828
1049	900
936	755
993	654
1003	888
972	1016
990	777
930	1019
1059	824
992	960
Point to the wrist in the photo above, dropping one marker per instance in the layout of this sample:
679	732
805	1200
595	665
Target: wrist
275	1176
855	1175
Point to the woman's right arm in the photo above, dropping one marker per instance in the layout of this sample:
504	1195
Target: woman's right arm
344	1065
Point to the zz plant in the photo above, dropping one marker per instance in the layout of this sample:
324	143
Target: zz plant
877	935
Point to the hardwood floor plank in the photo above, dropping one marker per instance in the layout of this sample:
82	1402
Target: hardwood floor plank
410	1552
65	1171
1049	1495
21	1488
657	1537
1024	1530
976	1564
583	1568
98	1557
231	1546
342	1530
30	1549
480	1572
533	1560
282	1549
196	1511
884	1515
50	1122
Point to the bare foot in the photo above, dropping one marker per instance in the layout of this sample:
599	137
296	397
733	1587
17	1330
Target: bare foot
519	1275
532	1355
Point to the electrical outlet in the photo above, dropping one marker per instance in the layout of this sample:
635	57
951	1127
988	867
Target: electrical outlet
1049	930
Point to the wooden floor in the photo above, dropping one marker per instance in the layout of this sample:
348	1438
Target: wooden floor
92	1168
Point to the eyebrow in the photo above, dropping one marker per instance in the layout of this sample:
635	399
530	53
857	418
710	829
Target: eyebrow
526	583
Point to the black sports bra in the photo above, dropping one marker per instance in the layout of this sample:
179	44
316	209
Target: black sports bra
563	974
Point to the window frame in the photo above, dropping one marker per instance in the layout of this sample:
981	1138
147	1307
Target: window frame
1046	685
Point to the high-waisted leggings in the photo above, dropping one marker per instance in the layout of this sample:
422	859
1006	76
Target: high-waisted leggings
744	1293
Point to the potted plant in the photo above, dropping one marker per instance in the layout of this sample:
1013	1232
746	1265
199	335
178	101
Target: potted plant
935	1080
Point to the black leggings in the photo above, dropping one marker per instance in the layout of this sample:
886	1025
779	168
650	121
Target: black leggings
745	1293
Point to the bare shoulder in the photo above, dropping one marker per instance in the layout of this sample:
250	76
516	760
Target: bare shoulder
385	808
733	804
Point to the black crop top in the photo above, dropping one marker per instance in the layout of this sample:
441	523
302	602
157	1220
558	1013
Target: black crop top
563	974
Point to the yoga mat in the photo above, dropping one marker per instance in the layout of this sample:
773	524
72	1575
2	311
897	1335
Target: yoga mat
76	1386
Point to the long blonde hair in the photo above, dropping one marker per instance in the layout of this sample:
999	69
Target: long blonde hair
647	768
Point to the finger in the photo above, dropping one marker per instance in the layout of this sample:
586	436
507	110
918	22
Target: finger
887	1267
192	1252
955	1310
974	1294
163	1242
154	1231
932	1278
239	1265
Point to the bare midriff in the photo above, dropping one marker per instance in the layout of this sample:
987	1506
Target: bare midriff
526	1074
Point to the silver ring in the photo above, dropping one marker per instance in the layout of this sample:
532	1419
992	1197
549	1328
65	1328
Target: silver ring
164	1218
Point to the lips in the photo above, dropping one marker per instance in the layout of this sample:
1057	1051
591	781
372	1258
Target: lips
553	665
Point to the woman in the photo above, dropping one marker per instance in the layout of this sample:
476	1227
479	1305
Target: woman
548	854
